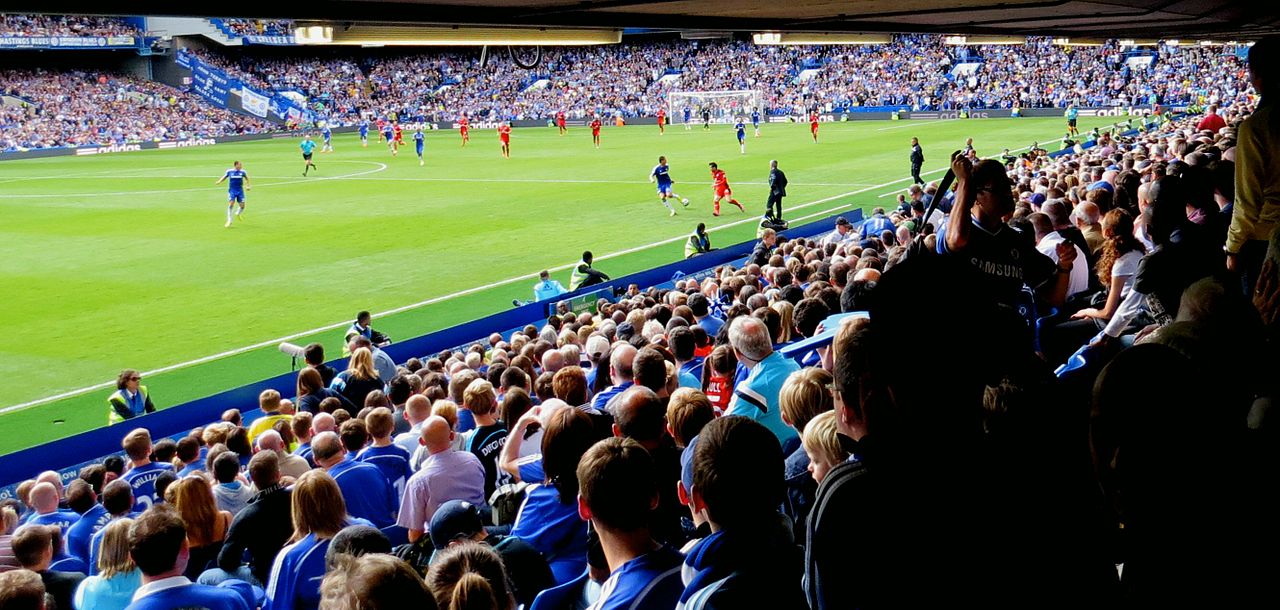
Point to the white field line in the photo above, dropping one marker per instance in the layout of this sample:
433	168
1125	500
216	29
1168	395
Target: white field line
115	174
436	179
381	167
510	280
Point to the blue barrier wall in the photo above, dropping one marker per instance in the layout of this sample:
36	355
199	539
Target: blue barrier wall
68	455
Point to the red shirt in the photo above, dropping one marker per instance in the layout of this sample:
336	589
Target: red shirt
813	118
559	117
1211	122
399	133
504	132
595	127
661	115
381	124
718	179
464	123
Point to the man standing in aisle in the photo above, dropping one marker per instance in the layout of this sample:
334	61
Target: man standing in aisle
777	190
917	160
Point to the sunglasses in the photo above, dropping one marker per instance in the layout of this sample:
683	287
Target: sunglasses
135	379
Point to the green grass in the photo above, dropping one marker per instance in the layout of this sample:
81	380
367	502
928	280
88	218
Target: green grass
121	260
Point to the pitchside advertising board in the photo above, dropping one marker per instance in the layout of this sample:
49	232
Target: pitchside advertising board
69	42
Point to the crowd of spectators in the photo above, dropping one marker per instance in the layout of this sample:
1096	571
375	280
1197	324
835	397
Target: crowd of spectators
662	452
913	71
259	27
77	108
64	25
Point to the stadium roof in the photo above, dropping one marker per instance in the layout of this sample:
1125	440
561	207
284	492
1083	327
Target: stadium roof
1149	19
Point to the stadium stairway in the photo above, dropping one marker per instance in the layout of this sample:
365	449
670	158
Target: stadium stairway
191	26
68	455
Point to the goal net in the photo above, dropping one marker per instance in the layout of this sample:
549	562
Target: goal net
725	106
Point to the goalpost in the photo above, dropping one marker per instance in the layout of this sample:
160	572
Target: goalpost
725	106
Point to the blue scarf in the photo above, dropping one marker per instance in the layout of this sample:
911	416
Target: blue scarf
714	558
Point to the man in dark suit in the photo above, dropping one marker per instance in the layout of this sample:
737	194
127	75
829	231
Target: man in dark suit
777	190
917	160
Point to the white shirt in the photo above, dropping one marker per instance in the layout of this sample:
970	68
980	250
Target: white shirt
836	238
409	440
163	584
1132	301
1079	268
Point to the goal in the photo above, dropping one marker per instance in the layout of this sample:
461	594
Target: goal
725	106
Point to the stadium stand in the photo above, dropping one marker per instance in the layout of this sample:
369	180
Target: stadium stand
76	108
627	79
64	25
870	416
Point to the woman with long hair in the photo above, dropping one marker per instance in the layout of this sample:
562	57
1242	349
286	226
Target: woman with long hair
548	520
470	576
786	311
311	392
112	588
359	379
1117	265
319	513
206	525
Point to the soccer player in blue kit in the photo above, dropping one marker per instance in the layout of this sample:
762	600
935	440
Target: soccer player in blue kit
418	141
742	135
327	135
308	146
688	114
237	183
661	174
364	133
388	135
755	120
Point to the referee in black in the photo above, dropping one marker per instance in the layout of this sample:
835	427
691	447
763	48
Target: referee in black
917	159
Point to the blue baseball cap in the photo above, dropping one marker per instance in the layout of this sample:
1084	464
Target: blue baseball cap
686	464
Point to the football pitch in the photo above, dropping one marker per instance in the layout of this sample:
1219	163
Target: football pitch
122	260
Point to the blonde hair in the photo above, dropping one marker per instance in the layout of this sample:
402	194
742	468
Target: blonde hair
361	365
194	500
688	411
113	553
8	520
318	507
480	398
822	440
446	409
786	311
269	400
804	396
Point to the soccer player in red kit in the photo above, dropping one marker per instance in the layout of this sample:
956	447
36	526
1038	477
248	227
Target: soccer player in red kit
662	121
560	122
504	134
398	141
595	131
721	186
381	125
813	125
464	127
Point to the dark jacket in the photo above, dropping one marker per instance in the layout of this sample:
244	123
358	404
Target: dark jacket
801	489
777	183
311	402
61	586
262	528
761	254
844	516
917	155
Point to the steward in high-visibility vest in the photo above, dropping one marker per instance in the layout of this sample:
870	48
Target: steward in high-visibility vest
583	275
130	398
698	243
